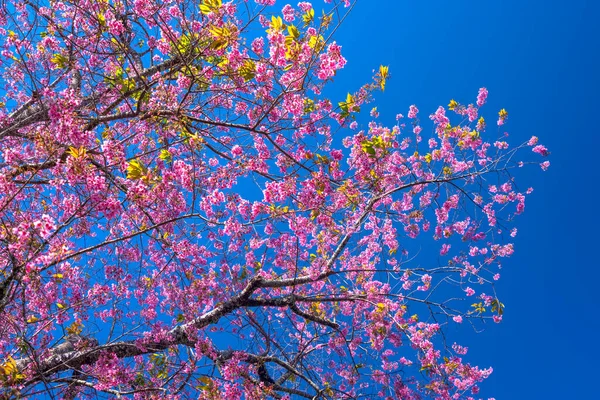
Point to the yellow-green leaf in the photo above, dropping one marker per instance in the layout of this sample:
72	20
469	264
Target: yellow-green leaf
209	6
219	44
206	383
293	31
9	370
77	153
308	17
101	19
75	328
277	24
316	42
326	19
165	155
59	60
248	70
217	31
383	74
135	169
309	106
204	9
368	148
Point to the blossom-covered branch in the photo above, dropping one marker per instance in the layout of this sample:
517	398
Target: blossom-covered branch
185	213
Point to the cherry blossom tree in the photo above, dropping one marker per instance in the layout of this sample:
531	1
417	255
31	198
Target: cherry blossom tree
184	214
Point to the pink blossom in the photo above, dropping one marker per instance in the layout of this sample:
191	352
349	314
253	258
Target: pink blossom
413	111
482	96
288	13
237	150
337	154
440	119
404	361
540	149
458	349
426	279
258	45
445	249
304	6
472	113
501	145
330	61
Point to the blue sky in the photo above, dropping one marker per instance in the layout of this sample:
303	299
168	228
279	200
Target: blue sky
540	60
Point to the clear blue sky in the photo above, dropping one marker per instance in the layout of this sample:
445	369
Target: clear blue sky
541	61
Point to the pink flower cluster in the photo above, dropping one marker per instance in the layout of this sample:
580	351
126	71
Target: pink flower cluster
330	62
